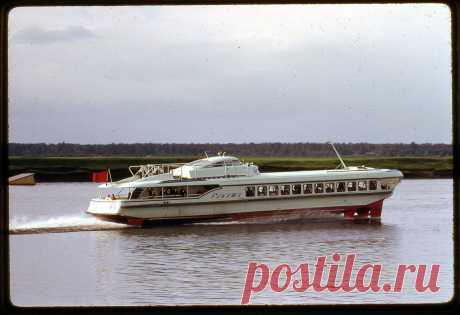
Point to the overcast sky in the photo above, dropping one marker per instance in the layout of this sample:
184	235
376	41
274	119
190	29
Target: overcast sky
291	73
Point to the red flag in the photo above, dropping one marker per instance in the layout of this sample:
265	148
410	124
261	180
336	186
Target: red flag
101	177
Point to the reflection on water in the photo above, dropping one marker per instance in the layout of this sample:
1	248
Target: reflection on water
206	263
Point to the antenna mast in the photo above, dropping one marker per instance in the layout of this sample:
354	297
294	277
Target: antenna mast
338	155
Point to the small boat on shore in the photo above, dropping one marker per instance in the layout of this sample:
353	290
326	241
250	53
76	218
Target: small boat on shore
223	188
22	179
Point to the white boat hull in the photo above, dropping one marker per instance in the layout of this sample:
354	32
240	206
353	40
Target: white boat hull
144	212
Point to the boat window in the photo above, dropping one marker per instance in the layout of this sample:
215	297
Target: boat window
155	192
194	191
250	191
296	189
261	190
351	186
319	188
372	185
217	164
384	186
136	192
362	185
329	187
307	188
174	192
285	190
273	190
340	186
234	162
145	193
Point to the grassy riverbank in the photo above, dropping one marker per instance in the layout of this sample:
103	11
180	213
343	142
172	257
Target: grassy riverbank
80	168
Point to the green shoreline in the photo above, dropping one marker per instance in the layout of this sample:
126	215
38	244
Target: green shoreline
79	168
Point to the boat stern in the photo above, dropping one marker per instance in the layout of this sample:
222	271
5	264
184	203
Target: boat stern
99	206
110	210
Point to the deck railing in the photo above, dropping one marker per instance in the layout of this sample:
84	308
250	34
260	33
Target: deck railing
153	169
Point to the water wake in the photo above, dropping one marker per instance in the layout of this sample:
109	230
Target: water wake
73	223
82	222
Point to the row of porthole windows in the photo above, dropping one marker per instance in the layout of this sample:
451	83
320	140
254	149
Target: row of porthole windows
317	188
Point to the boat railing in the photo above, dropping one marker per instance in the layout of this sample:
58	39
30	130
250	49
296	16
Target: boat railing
153	169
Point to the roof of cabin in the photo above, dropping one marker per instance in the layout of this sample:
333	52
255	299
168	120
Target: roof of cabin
212	160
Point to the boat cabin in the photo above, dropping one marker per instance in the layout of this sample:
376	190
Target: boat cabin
215	167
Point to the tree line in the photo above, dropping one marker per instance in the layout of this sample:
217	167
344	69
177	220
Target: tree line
239	149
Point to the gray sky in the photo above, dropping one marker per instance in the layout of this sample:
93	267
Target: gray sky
291	73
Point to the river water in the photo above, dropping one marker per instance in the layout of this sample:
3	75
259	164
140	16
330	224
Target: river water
61	256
